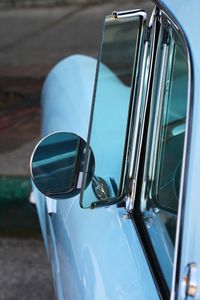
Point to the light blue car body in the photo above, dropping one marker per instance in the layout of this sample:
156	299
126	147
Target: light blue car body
97	254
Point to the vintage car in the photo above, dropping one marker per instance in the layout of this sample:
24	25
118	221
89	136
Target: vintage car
116	174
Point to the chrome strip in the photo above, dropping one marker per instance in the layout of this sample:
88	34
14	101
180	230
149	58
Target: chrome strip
136	142
158	114
129	13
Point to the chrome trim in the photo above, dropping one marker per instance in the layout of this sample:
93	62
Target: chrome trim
32	199
137	119
130	199
153	16
189	282
170	22
158	113
129	13
79	182
51	205
136	142
160	95
152	60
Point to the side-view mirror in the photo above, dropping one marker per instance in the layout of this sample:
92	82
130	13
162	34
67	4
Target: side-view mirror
57	165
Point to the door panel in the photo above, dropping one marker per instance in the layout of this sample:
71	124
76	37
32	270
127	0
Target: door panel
99	253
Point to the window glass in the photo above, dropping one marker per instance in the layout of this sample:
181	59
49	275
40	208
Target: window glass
171	136
165	149
112	96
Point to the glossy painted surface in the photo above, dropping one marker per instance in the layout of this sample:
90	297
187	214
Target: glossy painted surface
163	246
96	253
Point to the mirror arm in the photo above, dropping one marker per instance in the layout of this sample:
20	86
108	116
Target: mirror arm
107	202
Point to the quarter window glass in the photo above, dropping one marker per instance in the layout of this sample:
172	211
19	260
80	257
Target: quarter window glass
171	139
165	150
112	97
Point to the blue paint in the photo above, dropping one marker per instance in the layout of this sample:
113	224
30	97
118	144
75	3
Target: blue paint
99	254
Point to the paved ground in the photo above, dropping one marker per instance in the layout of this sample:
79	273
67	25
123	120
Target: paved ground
31	42
24	270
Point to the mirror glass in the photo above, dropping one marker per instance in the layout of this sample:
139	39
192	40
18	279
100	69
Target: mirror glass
111	101
57	165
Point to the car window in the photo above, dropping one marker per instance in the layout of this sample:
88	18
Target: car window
113	95
165	146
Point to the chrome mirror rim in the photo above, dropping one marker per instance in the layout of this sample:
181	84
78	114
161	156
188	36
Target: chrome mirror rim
55	179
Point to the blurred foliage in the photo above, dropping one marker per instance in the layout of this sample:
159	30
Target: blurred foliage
14	188
18	217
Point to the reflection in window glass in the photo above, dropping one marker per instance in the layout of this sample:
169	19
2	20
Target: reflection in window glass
111	106
163	172
172	134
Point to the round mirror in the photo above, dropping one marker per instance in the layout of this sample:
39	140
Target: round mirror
57	165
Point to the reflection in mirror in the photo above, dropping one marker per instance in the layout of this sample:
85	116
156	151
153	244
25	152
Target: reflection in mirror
111	101
57	165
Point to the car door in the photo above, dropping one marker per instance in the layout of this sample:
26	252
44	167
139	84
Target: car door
153	161
158	201
85	241
121	246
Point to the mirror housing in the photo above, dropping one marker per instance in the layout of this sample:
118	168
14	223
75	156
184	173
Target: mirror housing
57	164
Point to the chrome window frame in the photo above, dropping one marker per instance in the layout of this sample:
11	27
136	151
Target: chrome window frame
165	16
124	180
186	153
